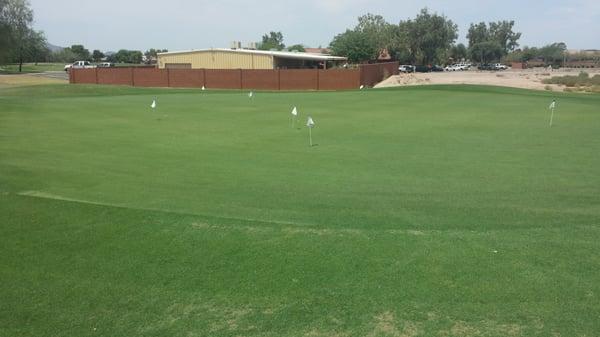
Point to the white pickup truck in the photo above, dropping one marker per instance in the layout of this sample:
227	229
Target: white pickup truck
79	65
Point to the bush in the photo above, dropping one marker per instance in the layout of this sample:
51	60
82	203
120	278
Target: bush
583	79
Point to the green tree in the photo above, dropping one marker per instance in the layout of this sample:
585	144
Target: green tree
297	47
429	36
20	41
500	32
486	51
478	33
553	54
65	55
272	40
458	52
97	55
377	29
354	45
82	53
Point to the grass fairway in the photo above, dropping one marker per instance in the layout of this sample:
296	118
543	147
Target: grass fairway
423	211
31	68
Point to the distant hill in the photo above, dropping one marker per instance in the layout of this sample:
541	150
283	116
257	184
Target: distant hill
53	48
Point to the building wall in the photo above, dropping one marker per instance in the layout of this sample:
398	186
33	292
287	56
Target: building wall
217	59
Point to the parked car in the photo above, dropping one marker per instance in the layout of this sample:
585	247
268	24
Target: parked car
486	66
422	69
79	65
405	68
106	65
450	67
436	68
500	66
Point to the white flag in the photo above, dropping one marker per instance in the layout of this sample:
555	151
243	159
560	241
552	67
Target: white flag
552	105
295	111
250	94
203	88
362	87
153	105
310	123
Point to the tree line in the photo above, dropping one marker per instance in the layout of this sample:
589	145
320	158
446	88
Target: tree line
20	43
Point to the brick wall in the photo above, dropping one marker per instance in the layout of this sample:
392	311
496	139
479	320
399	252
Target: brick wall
288	79
299	79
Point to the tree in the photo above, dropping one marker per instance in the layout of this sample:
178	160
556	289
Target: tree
429	36
500	33
97	55
354	45
377	29
64	55
553	54
297	47
478	33
82	53
273	40
19	41
458	52
128	56
486	51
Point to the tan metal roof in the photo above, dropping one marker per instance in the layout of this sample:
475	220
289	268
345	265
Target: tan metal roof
281	54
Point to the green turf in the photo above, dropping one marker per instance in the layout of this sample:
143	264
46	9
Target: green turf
426	211
31	68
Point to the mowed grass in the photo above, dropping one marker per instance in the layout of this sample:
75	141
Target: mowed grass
30	67
424	211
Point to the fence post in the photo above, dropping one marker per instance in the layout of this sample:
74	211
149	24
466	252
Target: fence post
96	71
168	78
241	79
279	79
132	77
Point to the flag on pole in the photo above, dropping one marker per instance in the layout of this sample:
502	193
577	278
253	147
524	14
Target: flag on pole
153	105
250	94
362	87
203	88
295	112
552	107
310	124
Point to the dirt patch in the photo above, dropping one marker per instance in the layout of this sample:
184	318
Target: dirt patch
26	80
386	325
525	79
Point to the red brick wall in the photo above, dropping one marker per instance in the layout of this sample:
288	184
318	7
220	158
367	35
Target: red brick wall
288	79
83	75
260	79
299	79
223	78
120	76
336	79
150	77
186	78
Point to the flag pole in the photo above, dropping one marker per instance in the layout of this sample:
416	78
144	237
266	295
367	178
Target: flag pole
551	116
310	136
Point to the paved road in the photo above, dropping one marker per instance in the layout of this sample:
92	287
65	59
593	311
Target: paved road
60	75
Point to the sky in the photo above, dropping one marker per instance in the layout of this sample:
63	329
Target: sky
110	25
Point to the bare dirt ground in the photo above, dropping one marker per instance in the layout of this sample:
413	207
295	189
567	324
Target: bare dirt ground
526	79
32	79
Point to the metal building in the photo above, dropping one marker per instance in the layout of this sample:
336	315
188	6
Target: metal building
245	59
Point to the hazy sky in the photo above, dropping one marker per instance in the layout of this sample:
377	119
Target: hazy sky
186	24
